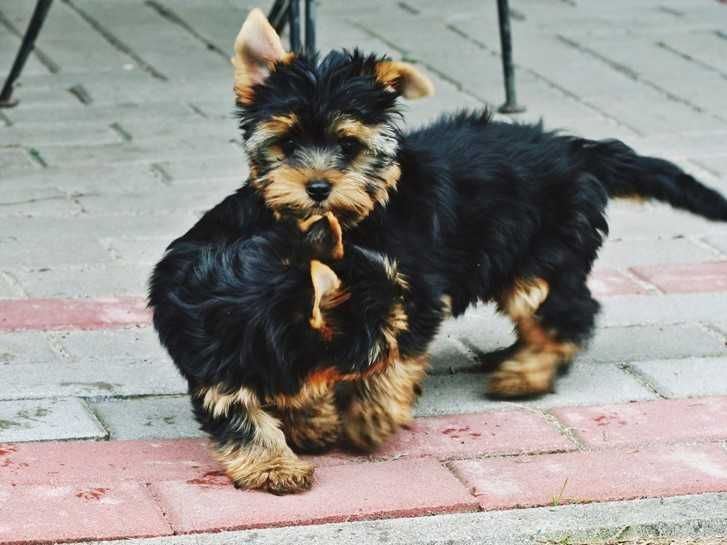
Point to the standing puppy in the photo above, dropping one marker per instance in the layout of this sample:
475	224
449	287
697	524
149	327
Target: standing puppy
470	210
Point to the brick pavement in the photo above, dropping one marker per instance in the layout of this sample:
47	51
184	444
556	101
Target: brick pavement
125	135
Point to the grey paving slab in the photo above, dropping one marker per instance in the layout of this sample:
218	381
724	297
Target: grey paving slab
138	343
621	254
65	35
130	152
719	242
583	385
148	418
58	135
627	344
447	356
688	377
16	160
47	419
83	280
655	220
18	250
146	250
656	520
24	347
105	179
8	289
661	309
91	378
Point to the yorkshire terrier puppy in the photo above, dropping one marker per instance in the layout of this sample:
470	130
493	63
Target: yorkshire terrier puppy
262	330
468	209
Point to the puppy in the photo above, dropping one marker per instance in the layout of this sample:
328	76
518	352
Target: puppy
470	210
262	330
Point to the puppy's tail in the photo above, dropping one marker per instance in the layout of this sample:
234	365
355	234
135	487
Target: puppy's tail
626	174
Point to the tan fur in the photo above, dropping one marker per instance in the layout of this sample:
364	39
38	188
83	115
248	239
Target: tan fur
257	49
266	462
405	78
533	367
383	403
310	419
325	284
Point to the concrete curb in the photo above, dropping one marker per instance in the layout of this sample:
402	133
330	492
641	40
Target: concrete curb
703	516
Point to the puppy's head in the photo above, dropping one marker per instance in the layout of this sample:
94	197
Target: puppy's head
320	136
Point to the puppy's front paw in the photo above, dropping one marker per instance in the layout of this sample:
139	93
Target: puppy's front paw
367	425
284	475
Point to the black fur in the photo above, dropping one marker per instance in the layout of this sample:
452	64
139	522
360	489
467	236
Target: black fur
479	205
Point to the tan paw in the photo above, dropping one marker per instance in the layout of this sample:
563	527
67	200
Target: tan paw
282	476
367	426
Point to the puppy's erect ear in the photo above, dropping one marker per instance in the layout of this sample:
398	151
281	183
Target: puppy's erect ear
405	79
327	294
257	49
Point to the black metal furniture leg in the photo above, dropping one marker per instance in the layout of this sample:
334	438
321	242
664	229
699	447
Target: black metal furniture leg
36	22
294	26
511	106
278	15
310	27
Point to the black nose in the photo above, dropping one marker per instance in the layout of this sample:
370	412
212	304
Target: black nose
318	190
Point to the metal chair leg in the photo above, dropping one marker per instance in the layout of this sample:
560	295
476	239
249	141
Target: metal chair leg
511	106
26	46
310	27
294	26
278	15
287	12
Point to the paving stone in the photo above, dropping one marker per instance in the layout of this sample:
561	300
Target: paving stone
19	314
58	135
42	513
37	201
719	242
558	479
26	347
147	250
680	518
608	282
94	280
138	343
660	421
621	254
584	384
106	179
149	417
466	436
688	377
89	462
47	419
626	344
448	356
15	160
91	378
8	289
19	251
662	309
386	489
687	278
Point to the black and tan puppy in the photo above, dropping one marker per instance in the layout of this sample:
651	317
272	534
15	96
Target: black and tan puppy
469	209
263	330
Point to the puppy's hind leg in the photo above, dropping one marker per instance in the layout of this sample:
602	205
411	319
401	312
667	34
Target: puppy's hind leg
248	442
552	321
310	420
382	403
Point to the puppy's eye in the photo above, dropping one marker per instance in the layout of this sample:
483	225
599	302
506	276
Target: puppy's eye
288	145
350	147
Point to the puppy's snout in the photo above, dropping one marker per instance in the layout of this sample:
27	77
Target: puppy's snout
318	190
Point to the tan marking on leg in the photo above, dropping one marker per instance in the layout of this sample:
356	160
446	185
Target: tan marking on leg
266	462
310	419
383	403
533	367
